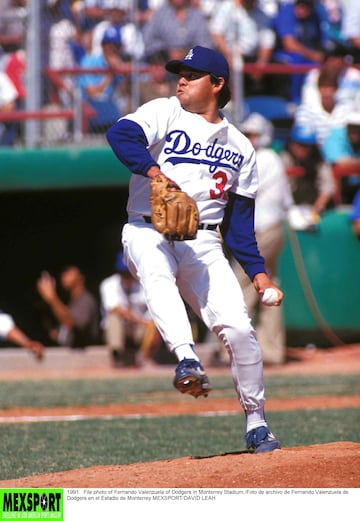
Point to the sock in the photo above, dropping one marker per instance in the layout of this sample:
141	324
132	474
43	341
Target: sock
186	351
255	419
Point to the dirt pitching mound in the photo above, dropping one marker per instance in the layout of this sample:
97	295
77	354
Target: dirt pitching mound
332	465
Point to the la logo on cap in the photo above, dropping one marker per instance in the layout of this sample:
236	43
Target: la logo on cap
189	55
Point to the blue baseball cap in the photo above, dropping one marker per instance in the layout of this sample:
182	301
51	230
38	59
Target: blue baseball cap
303	135
202	59
120	263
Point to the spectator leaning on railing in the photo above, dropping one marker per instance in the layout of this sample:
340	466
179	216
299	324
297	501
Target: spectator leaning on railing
300	39
240	29
324	112
101	90
341	149
339	60
314	188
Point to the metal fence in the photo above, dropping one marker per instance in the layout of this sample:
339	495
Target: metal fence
54	110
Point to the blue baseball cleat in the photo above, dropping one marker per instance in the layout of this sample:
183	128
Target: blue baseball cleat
261	440
190	378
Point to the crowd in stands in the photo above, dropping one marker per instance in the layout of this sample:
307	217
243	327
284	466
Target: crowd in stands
112	35
93	35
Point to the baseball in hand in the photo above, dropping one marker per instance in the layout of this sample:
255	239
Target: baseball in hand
269	297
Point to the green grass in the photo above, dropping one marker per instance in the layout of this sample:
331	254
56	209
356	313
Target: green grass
46	447
38	448
57	393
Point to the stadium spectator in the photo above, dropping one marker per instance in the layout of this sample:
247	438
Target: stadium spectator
173	28
14	65
120	40
337	59
145	10
12	45
341	149
126	320
300	39
64	36
77	322
331	12
102	91
240	27
119	17
94	12
10	332
12	24
314	187
351	26
273	201
8	97
323	112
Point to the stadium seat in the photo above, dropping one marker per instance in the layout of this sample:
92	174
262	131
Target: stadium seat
276	109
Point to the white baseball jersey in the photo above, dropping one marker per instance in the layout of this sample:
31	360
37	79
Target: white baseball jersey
179	140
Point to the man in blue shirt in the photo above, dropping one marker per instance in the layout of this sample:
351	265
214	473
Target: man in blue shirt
341	149
300	39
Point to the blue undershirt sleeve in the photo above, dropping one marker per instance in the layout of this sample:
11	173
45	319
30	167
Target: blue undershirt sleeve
130	145
239	234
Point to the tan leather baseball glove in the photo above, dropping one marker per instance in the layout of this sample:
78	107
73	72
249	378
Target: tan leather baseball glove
173	212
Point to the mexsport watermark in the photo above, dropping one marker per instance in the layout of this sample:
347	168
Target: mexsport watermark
32	504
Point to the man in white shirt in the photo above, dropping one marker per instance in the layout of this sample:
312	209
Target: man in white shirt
350	26
126	319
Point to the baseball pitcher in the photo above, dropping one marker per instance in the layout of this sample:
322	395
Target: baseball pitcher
194	175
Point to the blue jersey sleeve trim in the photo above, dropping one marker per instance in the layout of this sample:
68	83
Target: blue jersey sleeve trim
130	145
239	234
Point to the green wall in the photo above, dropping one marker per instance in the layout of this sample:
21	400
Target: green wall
320	275
57	168
319	271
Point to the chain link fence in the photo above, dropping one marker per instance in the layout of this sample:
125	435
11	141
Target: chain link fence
79	65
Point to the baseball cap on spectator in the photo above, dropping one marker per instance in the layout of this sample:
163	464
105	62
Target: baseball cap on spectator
202	59
303	135
112	35
258	125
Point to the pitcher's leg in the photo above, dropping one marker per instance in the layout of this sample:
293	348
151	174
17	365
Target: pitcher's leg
216	296
151	260
227	315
